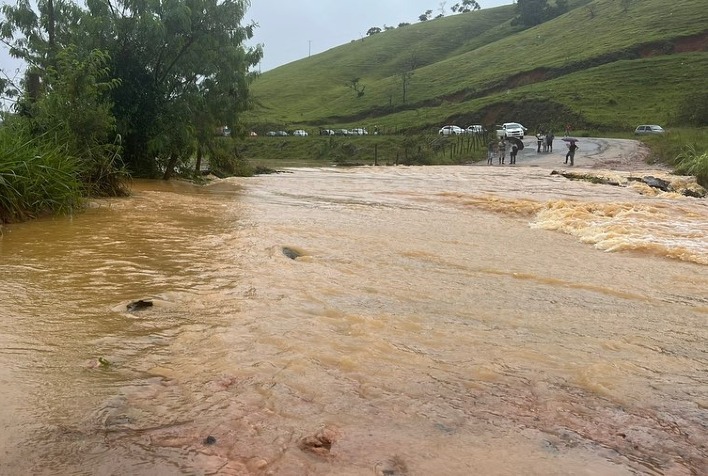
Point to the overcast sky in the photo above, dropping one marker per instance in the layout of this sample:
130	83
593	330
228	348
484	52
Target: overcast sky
291	30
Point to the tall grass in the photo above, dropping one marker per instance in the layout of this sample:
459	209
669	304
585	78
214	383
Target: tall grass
692	162
686	150
37	177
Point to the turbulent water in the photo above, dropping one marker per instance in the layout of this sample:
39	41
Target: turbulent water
386	321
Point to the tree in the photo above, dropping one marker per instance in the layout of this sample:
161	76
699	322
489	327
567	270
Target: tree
531	12
406	73
373	30
535	12
358	88
468	6
181	66
66	94
441	8
426	16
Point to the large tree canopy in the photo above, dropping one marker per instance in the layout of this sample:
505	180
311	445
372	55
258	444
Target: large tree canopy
180	67
535	12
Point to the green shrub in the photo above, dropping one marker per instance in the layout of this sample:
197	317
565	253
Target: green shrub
37	176
692	162
225	159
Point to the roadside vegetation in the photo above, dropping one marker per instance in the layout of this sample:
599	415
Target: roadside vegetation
37	177
117	89
684	149
325	151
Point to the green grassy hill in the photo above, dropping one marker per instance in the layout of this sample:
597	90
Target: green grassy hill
595	66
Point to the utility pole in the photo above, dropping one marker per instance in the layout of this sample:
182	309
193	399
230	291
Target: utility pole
309	48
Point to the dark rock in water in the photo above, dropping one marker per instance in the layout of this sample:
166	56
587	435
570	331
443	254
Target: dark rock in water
139	305
291	253
209	440
654	182
694	193
587	178
320	443
391	467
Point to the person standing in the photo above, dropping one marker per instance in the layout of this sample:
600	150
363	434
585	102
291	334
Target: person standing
502	151
491	150
539	141
572	147
512	154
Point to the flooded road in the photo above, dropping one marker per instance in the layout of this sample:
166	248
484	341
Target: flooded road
386	321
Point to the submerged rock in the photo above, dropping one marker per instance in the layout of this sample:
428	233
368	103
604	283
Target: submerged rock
139	305
588	178
391	467
320	443
682	187
291	253
689	192
654	182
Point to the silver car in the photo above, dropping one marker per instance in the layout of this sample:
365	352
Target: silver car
649	129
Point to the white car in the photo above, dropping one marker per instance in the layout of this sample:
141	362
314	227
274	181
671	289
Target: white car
300	132
474	129
649	129
358	132
511	129
451	131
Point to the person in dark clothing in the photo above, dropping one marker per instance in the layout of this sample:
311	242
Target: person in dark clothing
572	147
512	154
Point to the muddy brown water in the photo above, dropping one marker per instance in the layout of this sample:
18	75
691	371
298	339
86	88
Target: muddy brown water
388	321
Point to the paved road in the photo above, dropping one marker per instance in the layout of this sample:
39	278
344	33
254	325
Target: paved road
594	152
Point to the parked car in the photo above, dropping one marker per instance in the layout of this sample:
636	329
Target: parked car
281	133
300	132
451	131
326	132
511	129
341	132
223	131
271	133
474	129
358	132
649	129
